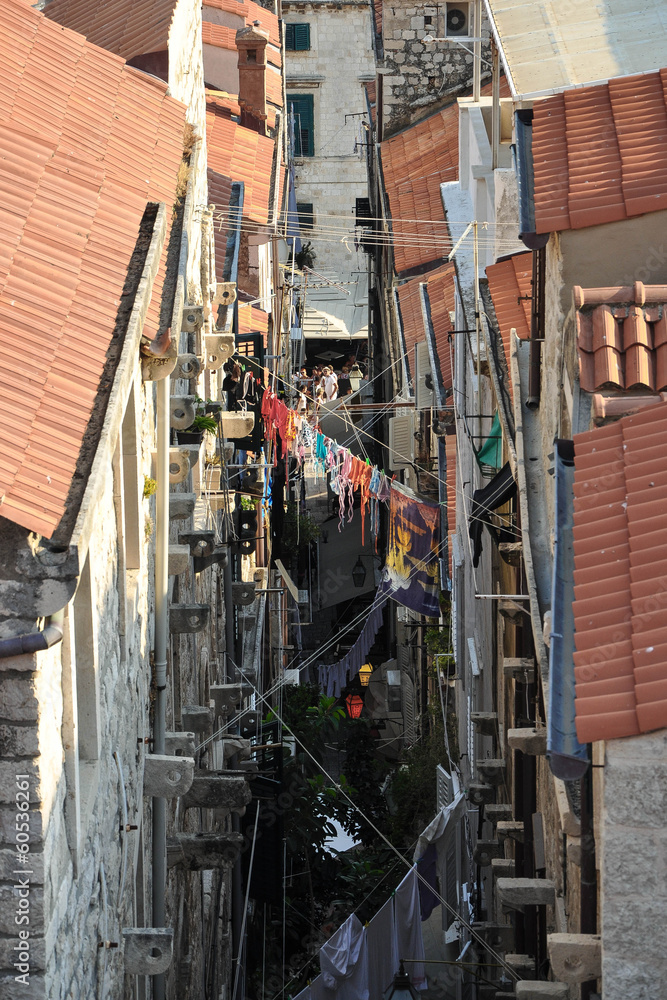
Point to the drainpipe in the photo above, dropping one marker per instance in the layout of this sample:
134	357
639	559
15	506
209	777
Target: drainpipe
160	654
536	330
34	642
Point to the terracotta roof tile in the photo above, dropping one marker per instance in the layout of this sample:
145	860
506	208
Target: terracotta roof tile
251	12
219	194
252	319
510	285
124	27
621	681
440	289
243	155
70	212
620	335
219	35
415	163
600	153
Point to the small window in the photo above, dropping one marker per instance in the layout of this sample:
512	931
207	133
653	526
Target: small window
362	211
304	209
297	37
251	56
304	139
428	20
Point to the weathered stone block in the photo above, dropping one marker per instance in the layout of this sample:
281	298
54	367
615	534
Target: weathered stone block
227	698
9	865
243	593
197	719
17	699
189	617
481	794
201	543
486	723
179	559
575	958
18	741
202	851
516	893
147	951
180	744
181	411
503	868
181	505
499	936
491	771
495	811
167	777
541	991
510	828
12	905
9	954
236	747
518	666
486	850
10	989
8	821
523	965
217	790
528	741
8	773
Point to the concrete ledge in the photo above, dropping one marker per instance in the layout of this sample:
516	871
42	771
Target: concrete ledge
529	741
503	868
492	771
515	893
541	991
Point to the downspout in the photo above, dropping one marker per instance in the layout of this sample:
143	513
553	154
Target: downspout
160	654
536	330
34	642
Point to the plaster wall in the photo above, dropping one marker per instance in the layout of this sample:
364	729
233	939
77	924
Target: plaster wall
334	70
221	70
418	75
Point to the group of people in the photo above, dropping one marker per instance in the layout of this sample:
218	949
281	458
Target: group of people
323	385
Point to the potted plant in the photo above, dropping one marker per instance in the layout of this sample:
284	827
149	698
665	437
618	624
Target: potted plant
195	432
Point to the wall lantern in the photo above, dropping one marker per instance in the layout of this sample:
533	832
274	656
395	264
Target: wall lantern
354	703
365	673
359	573
355	376
401	988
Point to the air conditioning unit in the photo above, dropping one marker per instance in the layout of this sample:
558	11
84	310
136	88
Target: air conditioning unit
423	377
457	20
401	442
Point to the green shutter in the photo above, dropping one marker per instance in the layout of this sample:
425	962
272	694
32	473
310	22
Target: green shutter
304	140
304	209
297	37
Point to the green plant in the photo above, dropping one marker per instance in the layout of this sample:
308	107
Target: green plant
437	641
204	422
150	487
148	528
298	529
247	503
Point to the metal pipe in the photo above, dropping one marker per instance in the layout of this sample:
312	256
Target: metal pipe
536	330
160	646
477	53
34	642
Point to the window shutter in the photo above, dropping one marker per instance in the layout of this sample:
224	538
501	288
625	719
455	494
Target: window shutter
304	140
304	209
297	37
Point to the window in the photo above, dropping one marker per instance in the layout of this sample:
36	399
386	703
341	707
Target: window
302	105
297	37
304	209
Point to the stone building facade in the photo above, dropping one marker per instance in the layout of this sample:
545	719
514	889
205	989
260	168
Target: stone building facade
420	76
326	78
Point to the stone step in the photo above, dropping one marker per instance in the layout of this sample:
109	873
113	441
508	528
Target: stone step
528	740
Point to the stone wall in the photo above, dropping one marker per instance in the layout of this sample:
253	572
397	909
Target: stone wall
334	70
418	76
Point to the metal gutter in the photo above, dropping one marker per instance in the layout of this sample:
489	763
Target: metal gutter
34	642
568	758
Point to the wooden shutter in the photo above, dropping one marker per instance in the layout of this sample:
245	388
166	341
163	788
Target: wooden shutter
304	140
297	37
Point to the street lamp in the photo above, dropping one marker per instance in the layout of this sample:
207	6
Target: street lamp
354	703
401	988
365	673
355	376
359	573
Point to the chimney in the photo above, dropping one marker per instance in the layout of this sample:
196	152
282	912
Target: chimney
251	43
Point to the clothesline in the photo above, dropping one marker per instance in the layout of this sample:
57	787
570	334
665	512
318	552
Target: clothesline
334	677
300	439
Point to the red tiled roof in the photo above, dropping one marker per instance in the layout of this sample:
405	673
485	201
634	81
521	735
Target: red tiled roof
622	336
251	12
620	490
600	153
510	285
125	27
415	163
219	194
82	151
440	288
219	35
243	155
252	319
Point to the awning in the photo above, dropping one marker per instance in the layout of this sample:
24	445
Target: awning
491	452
